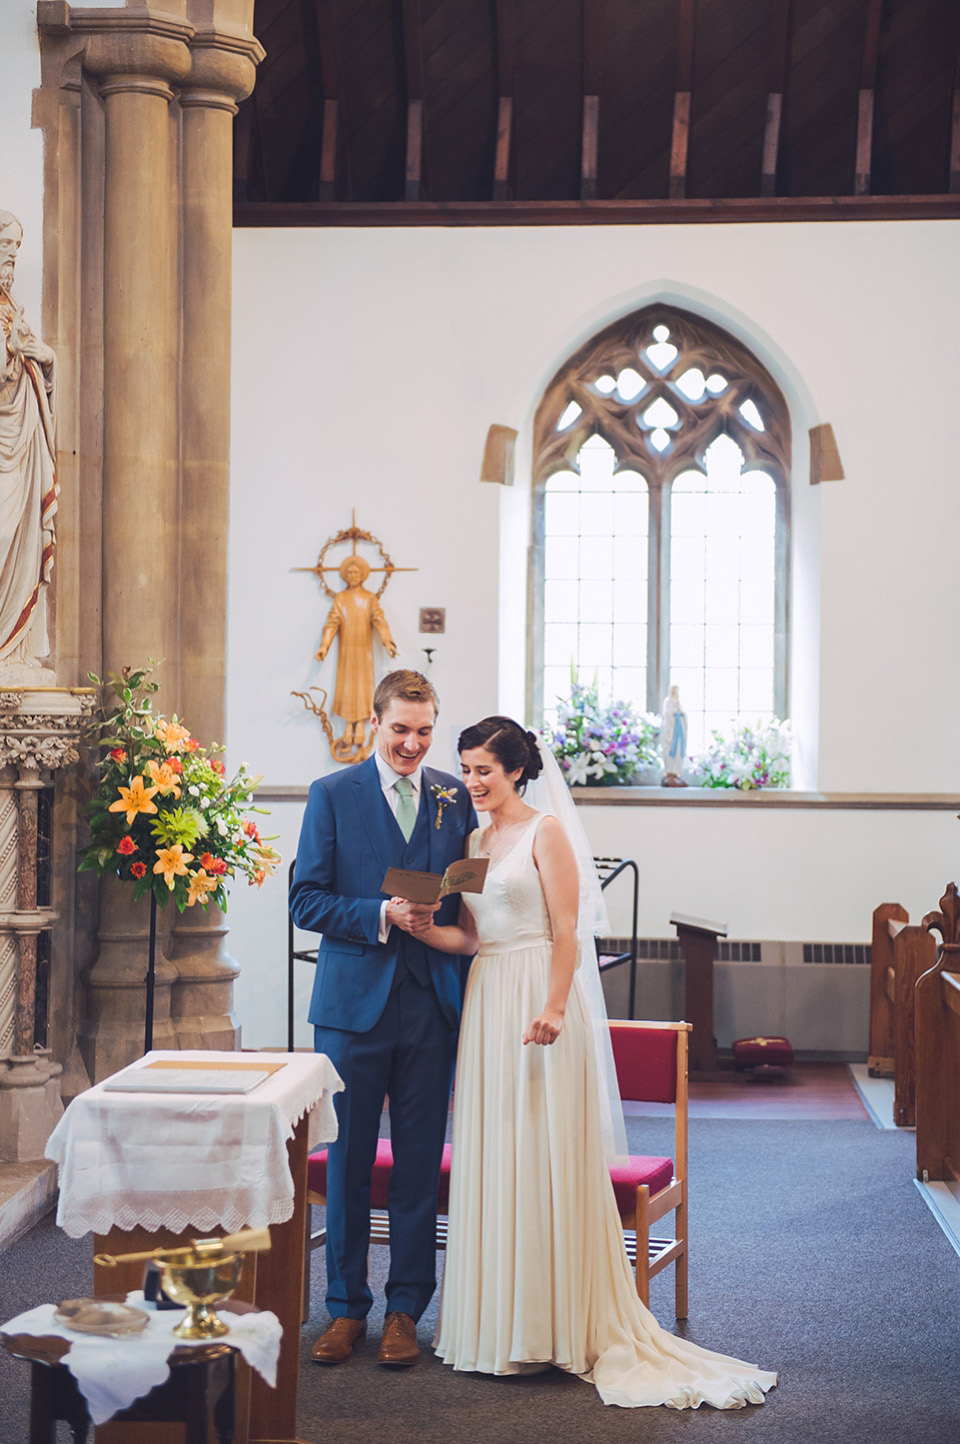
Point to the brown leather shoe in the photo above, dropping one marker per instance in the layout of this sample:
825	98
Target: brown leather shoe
336	1345
398	1349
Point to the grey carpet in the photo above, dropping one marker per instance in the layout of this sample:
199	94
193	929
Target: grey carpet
812	1253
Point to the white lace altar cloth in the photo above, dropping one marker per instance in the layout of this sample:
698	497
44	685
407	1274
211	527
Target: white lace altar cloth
190	1160
112	1373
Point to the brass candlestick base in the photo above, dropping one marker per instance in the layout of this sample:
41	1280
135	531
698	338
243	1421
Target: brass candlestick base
192	1277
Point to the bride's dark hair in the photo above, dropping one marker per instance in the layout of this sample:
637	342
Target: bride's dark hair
508	742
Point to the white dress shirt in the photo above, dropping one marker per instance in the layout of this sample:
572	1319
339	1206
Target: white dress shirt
388	782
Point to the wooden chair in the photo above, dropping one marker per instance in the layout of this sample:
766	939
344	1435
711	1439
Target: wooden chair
651	1063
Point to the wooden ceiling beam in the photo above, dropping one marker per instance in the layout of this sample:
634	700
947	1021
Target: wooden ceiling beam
413	66
592	30
779	61
868	80
506	85
737	210
680	135
325	20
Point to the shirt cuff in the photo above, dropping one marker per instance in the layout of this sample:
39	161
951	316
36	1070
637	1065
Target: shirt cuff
384	930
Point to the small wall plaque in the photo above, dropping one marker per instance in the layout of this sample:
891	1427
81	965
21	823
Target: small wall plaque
433	619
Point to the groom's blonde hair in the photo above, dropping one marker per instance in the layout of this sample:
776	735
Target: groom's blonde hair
405	684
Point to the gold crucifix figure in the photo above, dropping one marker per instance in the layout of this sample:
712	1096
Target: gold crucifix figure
355	616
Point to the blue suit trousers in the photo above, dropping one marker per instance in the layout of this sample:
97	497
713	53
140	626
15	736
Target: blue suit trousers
408	1056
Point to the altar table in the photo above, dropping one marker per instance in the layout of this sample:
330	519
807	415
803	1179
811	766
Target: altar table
152	1170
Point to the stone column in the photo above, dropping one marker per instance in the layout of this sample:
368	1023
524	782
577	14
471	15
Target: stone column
136	65
222	71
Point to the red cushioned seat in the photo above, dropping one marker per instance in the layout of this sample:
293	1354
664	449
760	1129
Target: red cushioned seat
317	1175
656	1173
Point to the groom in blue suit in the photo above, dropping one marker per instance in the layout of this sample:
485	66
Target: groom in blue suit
385	1008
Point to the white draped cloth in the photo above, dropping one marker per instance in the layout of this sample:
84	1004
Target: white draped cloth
112	1373
190	1160
28	483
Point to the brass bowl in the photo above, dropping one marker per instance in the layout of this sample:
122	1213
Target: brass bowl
199	1280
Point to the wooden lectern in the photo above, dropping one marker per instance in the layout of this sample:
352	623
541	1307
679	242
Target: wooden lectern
698	943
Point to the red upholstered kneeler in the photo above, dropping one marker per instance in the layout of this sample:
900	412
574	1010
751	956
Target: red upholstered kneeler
379	1224
762	1052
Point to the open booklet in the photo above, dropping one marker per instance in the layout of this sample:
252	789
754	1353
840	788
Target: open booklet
465	875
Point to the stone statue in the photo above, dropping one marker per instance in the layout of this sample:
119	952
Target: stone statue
673	739
355	615
28	483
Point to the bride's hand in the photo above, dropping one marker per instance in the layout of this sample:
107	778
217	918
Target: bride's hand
546	1029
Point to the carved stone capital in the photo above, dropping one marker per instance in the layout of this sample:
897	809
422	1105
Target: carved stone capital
222	62
137	41
40	730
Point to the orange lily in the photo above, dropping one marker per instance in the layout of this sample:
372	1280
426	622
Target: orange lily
173	736
200	887
172	863
164	778
133	800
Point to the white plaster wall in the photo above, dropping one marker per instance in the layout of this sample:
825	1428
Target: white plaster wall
368	365
376	359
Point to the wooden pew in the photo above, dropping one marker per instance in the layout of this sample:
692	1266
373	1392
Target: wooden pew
938	1051
880	1061
899	955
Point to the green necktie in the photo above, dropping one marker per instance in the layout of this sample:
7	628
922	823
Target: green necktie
406	807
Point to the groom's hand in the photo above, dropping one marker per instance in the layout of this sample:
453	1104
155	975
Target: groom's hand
412	917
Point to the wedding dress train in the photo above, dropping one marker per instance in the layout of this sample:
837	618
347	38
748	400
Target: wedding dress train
536	1269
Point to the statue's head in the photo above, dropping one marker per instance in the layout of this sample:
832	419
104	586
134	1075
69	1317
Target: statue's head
354	570
11	234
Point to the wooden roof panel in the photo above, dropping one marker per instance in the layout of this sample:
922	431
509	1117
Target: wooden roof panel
742	50
548	103
637	76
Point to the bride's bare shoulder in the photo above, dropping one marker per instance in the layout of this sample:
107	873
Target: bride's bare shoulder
550	836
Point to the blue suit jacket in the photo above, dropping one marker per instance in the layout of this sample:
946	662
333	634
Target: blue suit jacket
348	839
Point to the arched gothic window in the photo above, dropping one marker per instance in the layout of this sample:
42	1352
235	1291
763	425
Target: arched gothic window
661	485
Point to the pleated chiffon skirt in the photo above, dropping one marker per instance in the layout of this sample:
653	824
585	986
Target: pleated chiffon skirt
536	1269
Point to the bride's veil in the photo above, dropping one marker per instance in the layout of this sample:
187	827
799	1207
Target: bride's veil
550	793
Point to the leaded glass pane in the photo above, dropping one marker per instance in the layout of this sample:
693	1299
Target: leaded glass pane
595	577
722	619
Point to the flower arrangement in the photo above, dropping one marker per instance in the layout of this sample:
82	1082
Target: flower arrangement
601	744
164	815
750	757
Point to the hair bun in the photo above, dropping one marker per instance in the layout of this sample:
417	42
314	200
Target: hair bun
535	764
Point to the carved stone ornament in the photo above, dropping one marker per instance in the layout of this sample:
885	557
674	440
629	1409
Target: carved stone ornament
40	730
659	386
354	618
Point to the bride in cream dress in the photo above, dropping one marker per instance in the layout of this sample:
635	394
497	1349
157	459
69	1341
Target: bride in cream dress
536	1272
